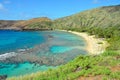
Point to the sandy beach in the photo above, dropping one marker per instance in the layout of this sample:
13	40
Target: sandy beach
94	46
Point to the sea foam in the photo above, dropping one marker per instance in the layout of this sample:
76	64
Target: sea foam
7	55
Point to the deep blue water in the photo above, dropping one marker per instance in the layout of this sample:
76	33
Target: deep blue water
25	52
13	40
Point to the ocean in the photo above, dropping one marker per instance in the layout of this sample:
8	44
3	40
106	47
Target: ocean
26	52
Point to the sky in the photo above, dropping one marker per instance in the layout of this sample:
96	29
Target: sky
27	9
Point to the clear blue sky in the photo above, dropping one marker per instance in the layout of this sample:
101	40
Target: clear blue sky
26	9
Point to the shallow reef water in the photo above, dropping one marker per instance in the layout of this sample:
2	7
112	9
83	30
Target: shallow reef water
26	52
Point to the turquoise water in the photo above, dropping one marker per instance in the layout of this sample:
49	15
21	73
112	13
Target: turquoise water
22	68
31	51
60	49
18	40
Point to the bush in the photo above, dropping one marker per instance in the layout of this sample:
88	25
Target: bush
110	53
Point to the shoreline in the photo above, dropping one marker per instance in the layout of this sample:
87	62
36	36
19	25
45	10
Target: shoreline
95	46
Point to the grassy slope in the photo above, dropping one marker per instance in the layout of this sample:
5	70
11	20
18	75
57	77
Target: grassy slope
103	22
99	17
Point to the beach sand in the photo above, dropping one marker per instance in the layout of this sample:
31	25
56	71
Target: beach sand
94	46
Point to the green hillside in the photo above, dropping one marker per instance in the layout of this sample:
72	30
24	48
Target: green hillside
99	17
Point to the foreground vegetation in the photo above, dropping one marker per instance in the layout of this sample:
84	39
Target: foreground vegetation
81	66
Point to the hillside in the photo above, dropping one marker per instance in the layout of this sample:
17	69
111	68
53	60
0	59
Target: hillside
32	24
7	24
35	23
100	17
